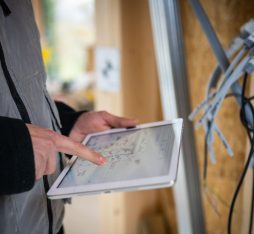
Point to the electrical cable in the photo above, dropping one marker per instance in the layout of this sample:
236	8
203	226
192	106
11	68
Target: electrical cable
249	130
213	108
237	191
252	204
242	43
214	101
227	83
205	164
242	64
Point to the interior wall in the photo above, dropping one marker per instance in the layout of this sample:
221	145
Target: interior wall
227	17
108	26
128	24
140	80
141	97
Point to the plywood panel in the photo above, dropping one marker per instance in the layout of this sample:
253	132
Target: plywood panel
247	186
111	102
140	82
227	17
141	99
108	24
125	24
108	34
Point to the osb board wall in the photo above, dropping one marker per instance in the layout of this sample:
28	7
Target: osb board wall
227	16
247	186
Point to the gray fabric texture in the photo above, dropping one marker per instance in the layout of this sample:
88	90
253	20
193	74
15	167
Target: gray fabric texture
26	212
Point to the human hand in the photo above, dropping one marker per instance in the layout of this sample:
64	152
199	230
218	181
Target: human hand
46	143
91	122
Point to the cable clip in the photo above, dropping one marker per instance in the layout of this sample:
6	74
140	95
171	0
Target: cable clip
248	27
249	42
249	68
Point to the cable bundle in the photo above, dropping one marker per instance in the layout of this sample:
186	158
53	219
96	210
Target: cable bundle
241	53
246	102
242	63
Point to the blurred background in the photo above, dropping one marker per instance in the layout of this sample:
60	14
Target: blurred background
99	55
67	32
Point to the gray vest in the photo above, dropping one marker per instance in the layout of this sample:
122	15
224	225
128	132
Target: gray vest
26	212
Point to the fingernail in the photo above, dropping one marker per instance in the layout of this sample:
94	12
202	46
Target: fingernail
136	121
102	160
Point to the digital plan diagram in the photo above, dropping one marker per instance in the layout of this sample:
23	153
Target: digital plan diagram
134	154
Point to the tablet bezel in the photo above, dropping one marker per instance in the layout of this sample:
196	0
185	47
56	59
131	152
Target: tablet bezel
168	180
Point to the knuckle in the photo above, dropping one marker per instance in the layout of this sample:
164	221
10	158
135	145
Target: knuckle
38	176
40	159
103	112
46	172
79	148
50	144
51	167
43	159
51	170
50	132
52	135
58	138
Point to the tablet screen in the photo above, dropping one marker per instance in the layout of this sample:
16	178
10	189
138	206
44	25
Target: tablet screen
132	154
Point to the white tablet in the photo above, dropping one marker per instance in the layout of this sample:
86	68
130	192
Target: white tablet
144	157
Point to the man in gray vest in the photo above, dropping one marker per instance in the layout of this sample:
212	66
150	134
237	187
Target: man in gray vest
31	140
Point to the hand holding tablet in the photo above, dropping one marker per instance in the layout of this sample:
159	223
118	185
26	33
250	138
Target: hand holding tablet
139	158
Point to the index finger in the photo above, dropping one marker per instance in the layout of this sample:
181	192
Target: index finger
68	146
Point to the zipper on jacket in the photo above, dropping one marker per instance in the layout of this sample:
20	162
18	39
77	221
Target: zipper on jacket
14	93
25	117
49	207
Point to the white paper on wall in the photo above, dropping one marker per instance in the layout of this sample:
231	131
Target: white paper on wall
107	62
